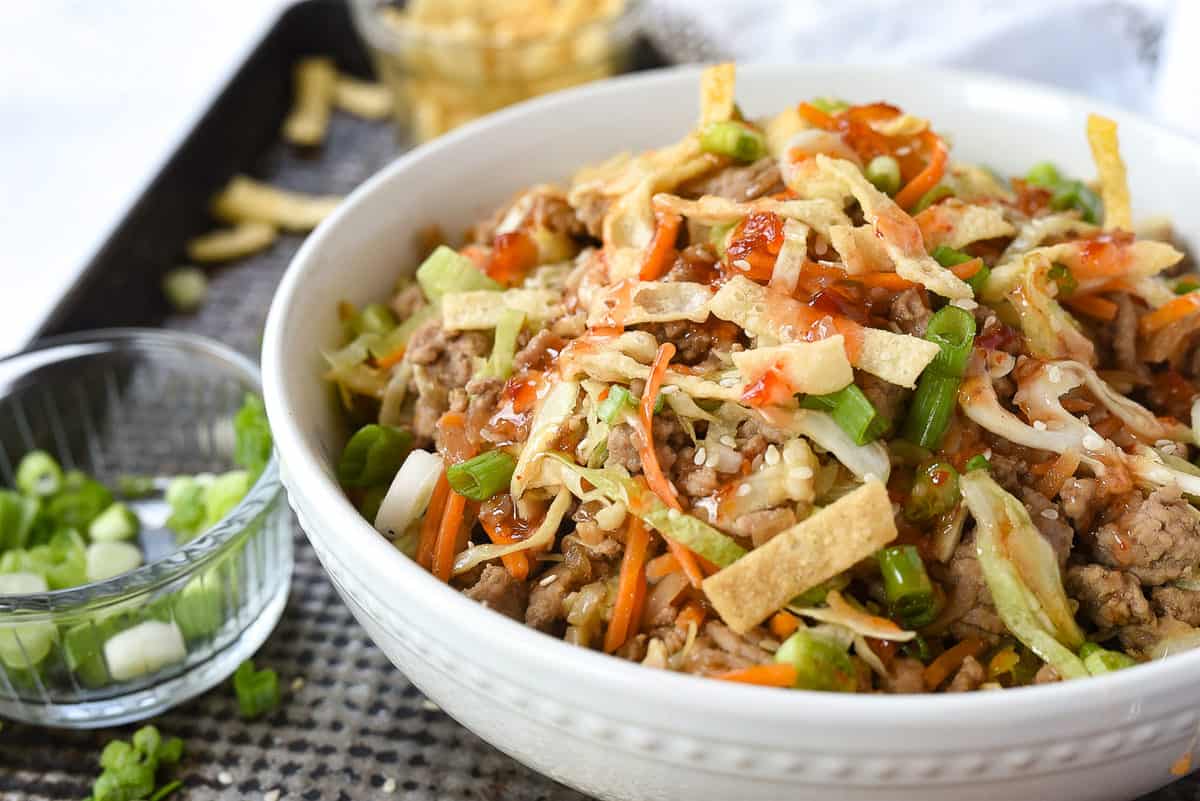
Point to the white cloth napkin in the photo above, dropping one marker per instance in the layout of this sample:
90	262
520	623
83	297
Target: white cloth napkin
1140	54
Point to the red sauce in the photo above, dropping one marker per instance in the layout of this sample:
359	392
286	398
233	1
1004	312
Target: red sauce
517	401
1031	200
754	246
513	255
1107	254
500	520
804	323
618	305
769	389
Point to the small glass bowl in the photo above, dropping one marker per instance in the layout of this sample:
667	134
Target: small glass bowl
445	75
160	404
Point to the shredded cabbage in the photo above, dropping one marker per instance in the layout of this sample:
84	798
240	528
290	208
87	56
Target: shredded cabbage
552	412
839	611
543	537
1022	574
689	531
870	461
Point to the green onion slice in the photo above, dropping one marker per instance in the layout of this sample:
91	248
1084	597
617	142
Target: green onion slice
482	476
852	411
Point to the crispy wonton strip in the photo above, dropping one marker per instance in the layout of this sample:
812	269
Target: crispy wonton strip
228	244
716	93
814	550
819	214
1114	187
814	368
900	233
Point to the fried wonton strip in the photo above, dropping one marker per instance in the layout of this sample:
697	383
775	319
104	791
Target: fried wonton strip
1092	265
1114	187
313	81
716	93
896	358
860	249
482	309
650	302
244	199
815	368
814	550
819	214
956	224
366	99
244	239
900	234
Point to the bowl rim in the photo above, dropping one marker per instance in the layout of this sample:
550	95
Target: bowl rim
198	551
358	536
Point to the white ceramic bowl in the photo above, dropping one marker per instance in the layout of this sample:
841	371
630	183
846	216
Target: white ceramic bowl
613	728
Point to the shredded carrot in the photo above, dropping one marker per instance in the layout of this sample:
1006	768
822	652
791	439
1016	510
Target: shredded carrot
433	518
658	255
967	269
927	178
390	360
1163	316
661	566
650	468
632	577
1093	306
447	536
517	564
692	612
949	661
890	281
772	674
783	624
817	118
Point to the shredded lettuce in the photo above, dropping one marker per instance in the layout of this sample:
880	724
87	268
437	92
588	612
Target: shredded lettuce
1022	574
689	531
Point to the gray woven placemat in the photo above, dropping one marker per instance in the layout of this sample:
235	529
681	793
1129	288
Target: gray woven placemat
350	727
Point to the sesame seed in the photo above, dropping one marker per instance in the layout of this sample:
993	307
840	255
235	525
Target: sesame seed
990	321
389	785
1164	443
1093	441
1050	514
430	705
804	472
271	795
743	490
728	441
742	265
224	777
1039	425
297	684
820	247
771	457
669	389
987	454
700	457
729	381
548	580
1054	374
966	304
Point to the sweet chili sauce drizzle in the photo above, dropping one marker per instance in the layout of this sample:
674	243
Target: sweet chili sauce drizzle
754	246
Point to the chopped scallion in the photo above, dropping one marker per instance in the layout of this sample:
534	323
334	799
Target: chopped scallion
482	476
820	663
953	330
939	192
909	591
373	455
852	411
39	475
884	173
1062	275
934	492
617	400
830	105
257	690
185	288
449	271
115	523
978	462
734	139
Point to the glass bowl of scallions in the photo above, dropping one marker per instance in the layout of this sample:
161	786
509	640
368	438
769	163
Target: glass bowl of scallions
145	549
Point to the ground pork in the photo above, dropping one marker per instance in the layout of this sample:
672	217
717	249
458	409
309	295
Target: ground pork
693	341
969	676
888	399
718	649
1046	675
590	209
910	312
539	352
1079	501
969	610
907	676
1178	603
442	362
1109	599
1155	537
497	590
1124	330
1048	518
545	610
669	441
544	207
406	302
622	448
695	264
737	182
691	479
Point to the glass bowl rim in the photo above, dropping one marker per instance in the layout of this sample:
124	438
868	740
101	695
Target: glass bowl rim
391	39
208	544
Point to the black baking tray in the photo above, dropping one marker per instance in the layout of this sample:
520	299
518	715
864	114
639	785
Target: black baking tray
121	284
